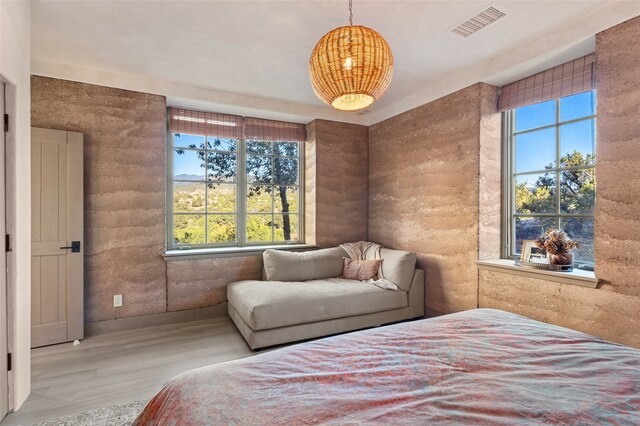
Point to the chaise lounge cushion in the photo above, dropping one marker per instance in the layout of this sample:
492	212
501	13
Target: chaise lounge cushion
265	305
398	267
302	266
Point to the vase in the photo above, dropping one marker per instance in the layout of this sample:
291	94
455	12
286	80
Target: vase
561	259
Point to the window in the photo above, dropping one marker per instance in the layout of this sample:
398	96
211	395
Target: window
550	154
233	191
272	178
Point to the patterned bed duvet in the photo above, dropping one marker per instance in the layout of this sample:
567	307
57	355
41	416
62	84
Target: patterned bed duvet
476	367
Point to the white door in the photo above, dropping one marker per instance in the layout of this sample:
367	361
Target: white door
56	237
4	379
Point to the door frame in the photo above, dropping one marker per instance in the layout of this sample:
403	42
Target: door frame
8	181
4	343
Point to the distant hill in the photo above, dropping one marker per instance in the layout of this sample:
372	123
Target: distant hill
185	176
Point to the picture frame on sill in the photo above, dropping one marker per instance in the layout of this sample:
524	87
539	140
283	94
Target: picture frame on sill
532	253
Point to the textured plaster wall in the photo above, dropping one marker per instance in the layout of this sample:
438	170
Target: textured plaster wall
424	190
490	176
201	283
617	239
611	310
607	314
124	156
337	167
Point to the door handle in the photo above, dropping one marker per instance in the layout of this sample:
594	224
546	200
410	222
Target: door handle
75	247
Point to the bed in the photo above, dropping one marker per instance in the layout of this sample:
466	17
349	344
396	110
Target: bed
476	367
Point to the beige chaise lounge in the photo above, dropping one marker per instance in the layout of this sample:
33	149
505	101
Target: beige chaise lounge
302	298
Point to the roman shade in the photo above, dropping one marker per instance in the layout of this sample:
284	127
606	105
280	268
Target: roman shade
233	126
271	130
205	123
571	78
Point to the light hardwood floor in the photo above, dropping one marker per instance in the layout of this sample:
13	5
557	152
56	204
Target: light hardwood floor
119	367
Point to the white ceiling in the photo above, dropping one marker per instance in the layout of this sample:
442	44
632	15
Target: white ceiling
250	57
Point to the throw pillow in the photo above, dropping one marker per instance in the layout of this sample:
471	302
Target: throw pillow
361	270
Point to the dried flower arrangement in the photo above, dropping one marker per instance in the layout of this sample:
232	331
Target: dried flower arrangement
556	241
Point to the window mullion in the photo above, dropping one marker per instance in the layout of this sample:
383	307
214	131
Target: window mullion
301	179
558	177
169	221
241	190
549	126
206	190
507	182
568	169
511	193
273	193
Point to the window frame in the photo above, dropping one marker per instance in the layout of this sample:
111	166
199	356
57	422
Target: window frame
508	231
241	201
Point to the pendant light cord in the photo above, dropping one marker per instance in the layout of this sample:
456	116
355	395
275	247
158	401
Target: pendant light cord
350	13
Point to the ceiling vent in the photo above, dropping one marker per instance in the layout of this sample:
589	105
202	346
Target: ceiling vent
478	22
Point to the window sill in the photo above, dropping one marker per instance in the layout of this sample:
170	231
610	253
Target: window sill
208	253
578	277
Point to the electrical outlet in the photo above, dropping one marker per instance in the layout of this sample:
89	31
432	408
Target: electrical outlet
117	301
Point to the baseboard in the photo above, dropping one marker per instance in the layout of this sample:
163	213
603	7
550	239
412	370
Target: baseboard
162	318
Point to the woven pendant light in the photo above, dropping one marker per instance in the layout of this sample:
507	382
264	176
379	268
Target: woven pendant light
351	67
